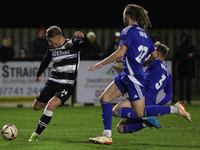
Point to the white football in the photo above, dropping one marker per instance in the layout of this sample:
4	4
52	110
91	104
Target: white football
9	132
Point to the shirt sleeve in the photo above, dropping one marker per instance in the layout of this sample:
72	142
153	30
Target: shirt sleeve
125	39
82	43
44	64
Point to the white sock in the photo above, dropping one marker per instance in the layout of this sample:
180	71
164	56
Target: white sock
173	110
107	133
48	112
34	133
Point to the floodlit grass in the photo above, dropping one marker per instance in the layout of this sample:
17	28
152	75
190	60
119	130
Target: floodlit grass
71	127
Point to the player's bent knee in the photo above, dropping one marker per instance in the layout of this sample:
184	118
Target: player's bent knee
139	114
114	112
105	98
38	105
49	107
52	106
36	108
120	128
102	98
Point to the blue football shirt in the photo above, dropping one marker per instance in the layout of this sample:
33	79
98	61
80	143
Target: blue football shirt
139	45
157	77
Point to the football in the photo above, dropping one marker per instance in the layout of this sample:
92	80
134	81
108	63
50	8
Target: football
9	132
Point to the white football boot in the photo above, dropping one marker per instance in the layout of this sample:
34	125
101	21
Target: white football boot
101	140
182	111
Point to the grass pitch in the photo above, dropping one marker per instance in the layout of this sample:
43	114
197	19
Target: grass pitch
71	127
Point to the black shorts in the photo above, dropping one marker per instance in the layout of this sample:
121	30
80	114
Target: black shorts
51	89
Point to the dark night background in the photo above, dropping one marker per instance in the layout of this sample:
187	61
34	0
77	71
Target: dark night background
96	14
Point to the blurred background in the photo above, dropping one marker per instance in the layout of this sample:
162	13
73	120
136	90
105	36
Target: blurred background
23	24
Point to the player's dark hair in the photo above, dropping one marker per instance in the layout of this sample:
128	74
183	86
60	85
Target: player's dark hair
53	31
139	14
162	49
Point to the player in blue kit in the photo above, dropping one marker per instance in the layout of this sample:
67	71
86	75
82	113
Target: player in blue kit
157	77
135	44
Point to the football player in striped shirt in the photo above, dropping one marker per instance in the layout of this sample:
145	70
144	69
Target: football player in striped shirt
157	77
65	54
135	45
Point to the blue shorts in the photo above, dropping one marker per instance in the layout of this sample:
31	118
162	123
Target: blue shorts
125	85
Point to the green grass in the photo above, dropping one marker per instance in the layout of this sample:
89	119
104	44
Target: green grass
71	127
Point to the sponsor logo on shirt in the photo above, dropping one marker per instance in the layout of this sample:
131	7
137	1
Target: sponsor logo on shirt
60	53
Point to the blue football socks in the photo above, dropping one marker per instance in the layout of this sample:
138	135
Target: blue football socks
127	112
107	115
153	110
133	127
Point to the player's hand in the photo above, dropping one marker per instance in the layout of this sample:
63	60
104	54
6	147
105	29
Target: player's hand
120	60
144	65
95	67
38	79
79	34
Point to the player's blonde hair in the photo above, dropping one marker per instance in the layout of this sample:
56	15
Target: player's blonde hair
162	49
139	14
53	31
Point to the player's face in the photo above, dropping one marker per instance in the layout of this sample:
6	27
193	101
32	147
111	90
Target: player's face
125	19
54	42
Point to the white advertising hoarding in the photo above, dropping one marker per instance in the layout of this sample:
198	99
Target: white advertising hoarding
91	84
17	79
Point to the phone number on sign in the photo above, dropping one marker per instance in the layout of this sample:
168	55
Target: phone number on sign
19	91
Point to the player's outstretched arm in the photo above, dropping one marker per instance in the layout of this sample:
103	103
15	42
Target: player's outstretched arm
113	57
95	67
44	64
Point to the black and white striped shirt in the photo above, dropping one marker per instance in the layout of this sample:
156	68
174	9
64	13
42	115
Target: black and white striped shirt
65	59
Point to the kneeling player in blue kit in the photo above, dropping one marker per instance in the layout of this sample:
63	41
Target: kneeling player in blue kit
157	77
